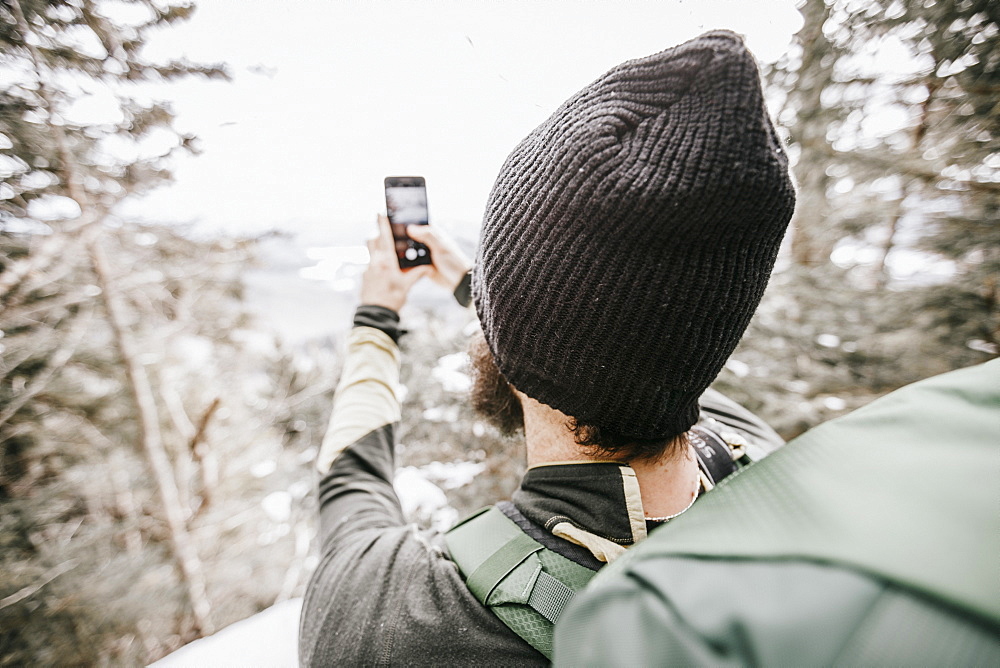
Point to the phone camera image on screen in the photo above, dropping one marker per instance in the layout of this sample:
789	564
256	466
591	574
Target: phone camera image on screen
405	205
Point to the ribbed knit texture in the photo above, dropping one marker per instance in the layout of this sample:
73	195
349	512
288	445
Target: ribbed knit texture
629	238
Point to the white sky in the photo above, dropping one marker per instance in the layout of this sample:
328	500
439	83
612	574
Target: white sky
331	96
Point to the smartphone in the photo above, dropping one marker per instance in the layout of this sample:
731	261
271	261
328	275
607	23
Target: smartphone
406	204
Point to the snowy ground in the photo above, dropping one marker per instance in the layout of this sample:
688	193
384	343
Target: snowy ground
268	639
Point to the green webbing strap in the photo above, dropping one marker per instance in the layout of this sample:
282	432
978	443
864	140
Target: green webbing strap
525	584
475	540
497	566
549	596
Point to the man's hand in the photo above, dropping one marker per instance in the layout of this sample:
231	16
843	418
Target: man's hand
384	283
450	263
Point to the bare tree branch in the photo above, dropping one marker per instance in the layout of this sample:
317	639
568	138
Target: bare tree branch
205	457
32	589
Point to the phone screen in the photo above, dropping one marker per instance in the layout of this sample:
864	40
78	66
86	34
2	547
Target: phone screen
406	204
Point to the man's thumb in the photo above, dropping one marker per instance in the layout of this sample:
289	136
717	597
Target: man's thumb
414	274
422	233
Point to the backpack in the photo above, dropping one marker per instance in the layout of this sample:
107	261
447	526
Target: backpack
526	584
873	539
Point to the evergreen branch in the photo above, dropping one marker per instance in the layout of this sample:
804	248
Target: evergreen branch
9	365
983	89
898	165
67	246
139	70
180	68
140	120
56	362
184	551
48	252
169	15
52	277
98	25
27	316
67	58
74	188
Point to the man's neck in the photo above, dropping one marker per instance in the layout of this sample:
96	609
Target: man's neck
668	485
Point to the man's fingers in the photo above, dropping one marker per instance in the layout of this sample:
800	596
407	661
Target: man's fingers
377	253
439	242
384	239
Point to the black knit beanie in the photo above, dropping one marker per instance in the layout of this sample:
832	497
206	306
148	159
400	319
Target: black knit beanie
629	238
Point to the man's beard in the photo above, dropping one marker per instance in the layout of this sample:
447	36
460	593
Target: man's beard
494	399
492	395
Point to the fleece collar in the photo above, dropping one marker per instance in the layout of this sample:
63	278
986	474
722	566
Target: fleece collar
593	504
597	505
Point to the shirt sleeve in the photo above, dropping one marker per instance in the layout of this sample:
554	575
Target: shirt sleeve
356	460
463	291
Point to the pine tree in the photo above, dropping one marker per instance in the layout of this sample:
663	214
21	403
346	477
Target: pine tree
129	366
944	159
63	287
843	321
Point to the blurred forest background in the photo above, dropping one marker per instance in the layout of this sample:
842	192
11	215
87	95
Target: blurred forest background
156	446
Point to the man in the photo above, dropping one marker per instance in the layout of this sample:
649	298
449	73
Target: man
625	246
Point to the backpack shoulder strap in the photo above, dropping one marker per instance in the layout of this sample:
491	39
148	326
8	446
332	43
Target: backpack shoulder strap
524	583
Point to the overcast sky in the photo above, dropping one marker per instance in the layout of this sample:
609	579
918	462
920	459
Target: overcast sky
329	97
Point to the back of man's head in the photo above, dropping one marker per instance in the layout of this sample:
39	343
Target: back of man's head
629	238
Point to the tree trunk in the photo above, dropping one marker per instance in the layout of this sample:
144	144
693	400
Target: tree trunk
809	246
881	270
152	445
